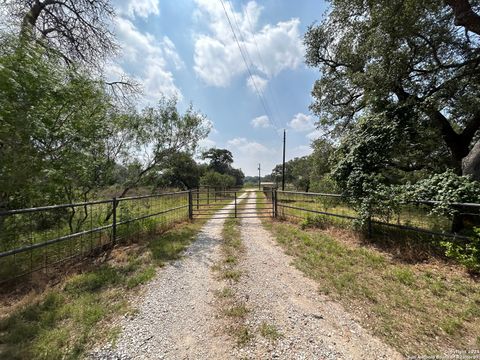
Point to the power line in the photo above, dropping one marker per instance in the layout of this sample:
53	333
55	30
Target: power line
244	57
271	115
262	62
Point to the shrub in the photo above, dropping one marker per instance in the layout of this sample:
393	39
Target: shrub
315	221
466	254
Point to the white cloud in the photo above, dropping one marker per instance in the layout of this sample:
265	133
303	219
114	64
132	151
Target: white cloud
250	148
133	8
261	122
257	83
206	144
247	154
150	59
302	122
211	125
217	57
315	134
301	150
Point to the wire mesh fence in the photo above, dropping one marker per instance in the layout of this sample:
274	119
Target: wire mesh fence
37	239
418	217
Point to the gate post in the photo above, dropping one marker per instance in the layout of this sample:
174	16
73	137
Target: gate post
190	205
114	220
235	204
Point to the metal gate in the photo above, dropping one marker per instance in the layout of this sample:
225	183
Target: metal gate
228	204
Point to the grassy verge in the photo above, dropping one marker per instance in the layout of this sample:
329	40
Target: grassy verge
68	319
232	307
418	308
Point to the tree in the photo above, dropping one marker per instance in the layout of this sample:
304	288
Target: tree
220	160
321	165
465	15
181	171
401	60
56	140
77	30
217	181
297	173
238	175
162	134
277	173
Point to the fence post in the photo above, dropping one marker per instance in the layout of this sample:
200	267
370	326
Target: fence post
190	205
198	196
274	201
208	195
369	227
235	204
114	220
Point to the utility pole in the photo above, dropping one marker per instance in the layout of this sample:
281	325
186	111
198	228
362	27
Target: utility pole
283	166
259	178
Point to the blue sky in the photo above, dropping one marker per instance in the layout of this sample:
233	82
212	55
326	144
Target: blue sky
186	48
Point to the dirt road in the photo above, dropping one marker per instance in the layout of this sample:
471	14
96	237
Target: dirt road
177	317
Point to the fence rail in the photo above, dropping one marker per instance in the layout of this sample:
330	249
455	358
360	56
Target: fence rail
36	239
210	203
414	216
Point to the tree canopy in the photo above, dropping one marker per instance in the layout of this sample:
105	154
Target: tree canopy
408	66
220	161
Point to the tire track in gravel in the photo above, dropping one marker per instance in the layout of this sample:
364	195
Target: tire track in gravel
277	294
177	317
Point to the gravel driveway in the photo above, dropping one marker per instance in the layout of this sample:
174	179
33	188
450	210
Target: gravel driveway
279	295
177	318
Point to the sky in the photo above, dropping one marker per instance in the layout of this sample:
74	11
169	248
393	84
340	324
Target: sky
186	48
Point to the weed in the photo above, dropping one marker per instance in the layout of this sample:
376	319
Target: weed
231	259
224	293
141	278
269	331
243	335
238	311
233	275
93	280
404	275
451	325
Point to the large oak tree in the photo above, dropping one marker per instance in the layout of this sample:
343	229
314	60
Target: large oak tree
402	59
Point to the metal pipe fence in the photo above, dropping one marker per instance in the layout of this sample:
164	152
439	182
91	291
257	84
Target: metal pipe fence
38	239
415	217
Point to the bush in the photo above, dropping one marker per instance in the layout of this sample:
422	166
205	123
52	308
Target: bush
466	254
315	221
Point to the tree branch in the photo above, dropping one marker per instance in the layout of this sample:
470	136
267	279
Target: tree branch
464	15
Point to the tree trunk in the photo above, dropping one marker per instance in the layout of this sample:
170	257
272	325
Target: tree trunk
470	166
464	15
471	162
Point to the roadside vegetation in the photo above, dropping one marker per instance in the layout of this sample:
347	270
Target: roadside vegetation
427	306
68	319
